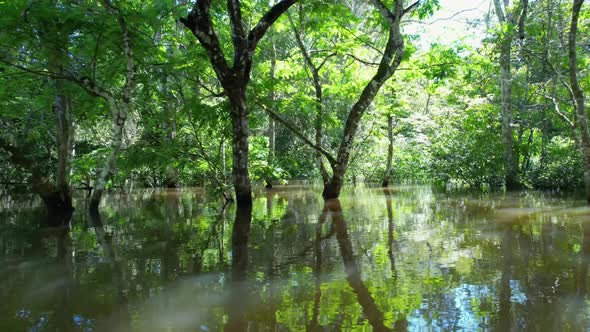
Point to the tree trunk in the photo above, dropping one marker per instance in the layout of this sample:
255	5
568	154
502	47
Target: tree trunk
334	186
40	184
234	79
65	144
507	16
391	59
271	121
319	100
119	111
119	117
388	169
510	162
578	96
239	118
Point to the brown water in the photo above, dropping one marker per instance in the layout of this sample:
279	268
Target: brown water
405	259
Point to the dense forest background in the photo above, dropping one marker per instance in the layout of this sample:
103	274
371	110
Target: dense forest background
116	95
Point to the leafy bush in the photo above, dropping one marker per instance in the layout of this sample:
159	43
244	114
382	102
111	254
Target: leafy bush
469	150
561	168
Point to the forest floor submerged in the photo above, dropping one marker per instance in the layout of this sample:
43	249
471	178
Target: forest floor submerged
408	257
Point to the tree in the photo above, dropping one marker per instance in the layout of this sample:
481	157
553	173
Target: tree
578	95
391	58
235	78
508	19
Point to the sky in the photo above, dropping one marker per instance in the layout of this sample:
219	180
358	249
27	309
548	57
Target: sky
450	23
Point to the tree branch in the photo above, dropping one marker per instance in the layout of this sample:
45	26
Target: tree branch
558	112
411	7
265	22
238	33
200	24
385	12
368	63
84	82
292	128
127	49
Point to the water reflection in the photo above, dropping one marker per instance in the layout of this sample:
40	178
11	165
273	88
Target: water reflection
240	293
401	259
353	271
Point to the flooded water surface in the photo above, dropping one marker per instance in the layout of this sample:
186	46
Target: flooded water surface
407	258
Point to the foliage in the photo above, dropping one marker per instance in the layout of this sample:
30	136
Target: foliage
561	168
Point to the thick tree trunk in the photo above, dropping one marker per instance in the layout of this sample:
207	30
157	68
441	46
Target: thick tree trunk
234	79
389	166
240	139
65	144
119	117
510	162
58	197
41	185
578	96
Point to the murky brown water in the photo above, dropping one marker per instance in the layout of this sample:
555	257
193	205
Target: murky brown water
404	259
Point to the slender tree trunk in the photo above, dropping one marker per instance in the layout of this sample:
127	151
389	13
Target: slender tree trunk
319	100
119	110
391	59
334	186
170	112
578	96
240	139
119	117
388	169
514	16
510	162
271	121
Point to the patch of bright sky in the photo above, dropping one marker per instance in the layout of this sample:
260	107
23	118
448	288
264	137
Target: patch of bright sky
451	23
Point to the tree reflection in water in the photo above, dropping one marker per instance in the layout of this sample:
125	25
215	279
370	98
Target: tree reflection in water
377	259
240	292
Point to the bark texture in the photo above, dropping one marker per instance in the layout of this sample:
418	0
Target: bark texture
64	126
578	96
120	112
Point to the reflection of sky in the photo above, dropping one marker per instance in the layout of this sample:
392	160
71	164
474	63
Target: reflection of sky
458	309
458	315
